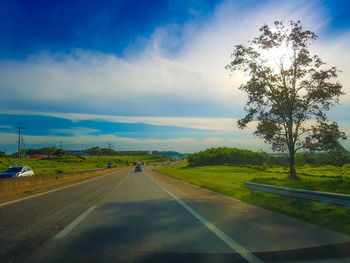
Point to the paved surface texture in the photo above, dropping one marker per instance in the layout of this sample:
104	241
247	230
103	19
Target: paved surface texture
149	217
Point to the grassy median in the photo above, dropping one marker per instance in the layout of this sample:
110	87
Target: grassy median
76	163
229	180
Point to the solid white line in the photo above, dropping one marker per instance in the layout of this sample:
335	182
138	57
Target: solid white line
58	189
65	231
245	253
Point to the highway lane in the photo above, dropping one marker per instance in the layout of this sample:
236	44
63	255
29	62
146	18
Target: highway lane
138	222
26	225
148	217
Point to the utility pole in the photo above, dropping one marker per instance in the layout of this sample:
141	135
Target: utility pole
19	128
82	148
23	148
109	145
61	149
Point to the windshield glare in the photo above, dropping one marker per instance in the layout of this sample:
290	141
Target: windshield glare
14	169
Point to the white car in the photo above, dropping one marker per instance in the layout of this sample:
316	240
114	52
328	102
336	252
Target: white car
17	171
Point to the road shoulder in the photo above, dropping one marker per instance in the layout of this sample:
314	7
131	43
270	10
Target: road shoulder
273	233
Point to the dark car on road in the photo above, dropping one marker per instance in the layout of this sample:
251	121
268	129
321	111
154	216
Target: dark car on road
138	168
17	171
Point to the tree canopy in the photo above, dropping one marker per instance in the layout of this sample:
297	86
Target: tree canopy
289	90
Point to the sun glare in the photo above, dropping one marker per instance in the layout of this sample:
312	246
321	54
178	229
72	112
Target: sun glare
278	58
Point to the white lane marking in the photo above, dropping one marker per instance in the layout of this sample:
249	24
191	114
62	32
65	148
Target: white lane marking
120	183
58	189
245	253
68	228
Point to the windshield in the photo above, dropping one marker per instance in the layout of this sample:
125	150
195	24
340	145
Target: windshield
174	131
14	169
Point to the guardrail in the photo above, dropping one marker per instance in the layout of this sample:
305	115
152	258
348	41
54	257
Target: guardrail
328	198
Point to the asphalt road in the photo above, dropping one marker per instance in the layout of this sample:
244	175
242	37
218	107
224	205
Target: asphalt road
148	217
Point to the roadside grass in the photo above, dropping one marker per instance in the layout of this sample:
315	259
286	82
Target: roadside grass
76	163
229	180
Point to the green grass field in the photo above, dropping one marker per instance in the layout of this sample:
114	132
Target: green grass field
76	163
229	180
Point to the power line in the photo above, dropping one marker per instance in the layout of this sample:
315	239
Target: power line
109	145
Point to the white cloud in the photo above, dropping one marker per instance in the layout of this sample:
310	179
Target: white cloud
75	131
335	53
151	81
157	82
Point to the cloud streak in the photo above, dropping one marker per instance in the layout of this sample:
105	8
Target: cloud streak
210	124
182	144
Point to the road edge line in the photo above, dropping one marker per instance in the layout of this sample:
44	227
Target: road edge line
242	251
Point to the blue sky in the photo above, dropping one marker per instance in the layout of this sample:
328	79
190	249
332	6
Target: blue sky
143	74
113	27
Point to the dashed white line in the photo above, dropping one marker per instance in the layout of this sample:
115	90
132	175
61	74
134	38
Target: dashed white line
80	218
245	253
120	183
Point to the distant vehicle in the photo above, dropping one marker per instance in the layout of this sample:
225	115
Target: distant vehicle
115	165
138	168
110	165
17	171
143	163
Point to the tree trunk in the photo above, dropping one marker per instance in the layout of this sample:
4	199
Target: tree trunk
292	171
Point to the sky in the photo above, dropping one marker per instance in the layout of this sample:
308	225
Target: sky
144	75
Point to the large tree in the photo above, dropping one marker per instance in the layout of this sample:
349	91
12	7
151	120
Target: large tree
289	90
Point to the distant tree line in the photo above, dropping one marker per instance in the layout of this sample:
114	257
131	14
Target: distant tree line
330	158
233	156
96	151
52	152
218	156
48	151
